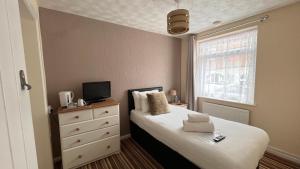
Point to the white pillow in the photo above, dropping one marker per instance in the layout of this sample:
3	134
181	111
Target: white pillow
137	100
144	100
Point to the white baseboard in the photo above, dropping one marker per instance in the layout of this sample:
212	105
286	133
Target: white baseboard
125	136
283	154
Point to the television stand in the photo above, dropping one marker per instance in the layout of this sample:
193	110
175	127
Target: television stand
94	113
95	101
104	103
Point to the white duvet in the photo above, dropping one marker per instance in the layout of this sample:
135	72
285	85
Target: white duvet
242	148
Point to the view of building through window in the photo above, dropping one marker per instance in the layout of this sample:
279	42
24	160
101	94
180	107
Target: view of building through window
225	67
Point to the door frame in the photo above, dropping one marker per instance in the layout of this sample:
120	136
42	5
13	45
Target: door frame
32	9
37	78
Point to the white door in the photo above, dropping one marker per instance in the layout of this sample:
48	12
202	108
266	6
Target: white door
17	145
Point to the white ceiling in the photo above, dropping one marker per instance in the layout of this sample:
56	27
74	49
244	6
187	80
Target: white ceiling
151	15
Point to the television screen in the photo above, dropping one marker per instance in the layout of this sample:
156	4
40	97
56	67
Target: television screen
96	91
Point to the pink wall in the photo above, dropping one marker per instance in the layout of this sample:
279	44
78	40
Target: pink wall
78	49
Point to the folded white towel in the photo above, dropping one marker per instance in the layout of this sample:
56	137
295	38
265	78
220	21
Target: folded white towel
204	127
199	117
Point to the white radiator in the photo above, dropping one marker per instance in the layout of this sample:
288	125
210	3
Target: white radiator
226	112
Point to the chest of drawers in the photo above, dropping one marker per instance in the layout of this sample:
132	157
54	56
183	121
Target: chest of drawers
89	133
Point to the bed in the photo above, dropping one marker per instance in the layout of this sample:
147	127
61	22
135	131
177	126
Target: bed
162	136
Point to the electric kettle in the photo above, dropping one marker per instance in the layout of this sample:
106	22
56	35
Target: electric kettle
66	98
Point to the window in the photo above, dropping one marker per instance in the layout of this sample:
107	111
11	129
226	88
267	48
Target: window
225	67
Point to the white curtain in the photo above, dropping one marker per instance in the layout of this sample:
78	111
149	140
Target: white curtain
225	67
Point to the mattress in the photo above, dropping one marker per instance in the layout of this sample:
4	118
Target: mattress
242	148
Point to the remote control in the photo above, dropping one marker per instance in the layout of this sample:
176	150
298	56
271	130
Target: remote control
219	138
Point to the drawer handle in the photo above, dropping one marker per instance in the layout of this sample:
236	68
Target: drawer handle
79	156
108	147
107	122
107	132
76	117
78	141
77	129
106	111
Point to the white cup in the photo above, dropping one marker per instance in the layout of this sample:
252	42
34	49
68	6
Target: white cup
81	102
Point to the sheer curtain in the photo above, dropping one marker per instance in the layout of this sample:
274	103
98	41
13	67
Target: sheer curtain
225	67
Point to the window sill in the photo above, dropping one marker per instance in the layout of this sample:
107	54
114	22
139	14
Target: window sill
227	101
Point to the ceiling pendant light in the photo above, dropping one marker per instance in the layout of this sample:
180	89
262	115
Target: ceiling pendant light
178	21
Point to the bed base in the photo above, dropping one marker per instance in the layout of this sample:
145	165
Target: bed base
167	157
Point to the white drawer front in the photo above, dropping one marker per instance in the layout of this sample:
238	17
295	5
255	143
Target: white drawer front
86	153
74	117
106	111
88	137
73	129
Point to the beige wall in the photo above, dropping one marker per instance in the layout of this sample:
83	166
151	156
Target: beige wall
36	77
78	49
277	90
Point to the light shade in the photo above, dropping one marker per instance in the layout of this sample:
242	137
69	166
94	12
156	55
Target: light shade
173	92
178	21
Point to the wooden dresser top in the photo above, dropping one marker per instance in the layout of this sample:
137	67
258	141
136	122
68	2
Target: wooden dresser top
108	102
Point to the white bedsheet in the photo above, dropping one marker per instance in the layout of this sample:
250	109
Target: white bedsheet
241	149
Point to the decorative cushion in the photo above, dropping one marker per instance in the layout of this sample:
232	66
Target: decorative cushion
158	103
144	100
137	100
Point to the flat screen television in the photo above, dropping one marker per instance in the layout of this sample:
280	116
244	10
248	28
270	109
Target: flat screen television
96	91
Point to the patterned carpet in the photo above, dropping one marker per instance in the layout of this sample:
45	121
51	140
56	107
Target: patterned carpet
270	161
133	156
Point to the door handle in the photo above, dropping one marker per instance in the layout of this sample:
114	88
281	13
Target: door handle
24	84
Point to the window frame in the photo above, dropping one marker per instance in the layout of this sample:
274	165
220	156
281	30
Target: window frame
200	40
